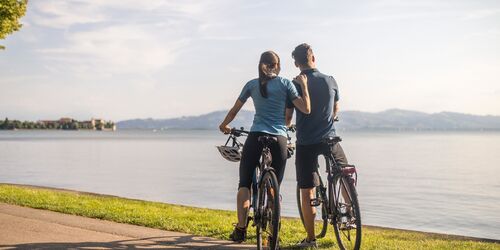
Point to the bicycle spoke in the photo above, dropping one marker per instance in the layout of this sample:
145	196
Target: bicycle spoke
346	192
269	213
337	193
347	221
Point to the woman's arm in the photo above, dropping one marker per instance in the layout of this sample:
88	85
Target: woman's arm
303	103
223	127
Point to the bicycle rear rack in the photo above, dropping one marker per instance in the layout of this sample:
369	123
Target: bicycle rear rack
350	170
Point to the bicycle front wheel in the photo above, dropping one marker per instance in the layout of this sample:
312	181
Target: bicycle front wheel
321	220
268	224
347	219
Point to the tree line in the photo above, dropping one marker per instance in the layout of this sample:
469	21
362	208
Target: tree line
65	125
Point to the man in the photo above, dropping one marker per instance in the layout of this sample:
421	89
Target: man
311	130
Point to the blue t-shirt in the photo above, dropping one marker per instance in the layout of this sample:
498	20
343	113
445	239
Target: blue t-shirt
317	125
270	112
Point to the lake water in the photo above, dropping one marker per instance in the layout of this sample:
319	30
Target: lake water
446	182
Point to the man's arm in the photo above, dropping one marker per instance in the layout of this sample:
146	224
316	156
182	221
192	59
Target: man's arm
335	88
335	110
288	116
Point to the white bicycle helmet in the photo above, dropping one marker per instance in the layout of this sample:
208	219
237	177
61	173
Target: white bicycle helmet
230	153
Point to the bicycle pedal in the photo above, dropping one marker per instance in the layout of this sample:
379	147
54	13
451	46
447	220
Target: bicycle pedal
315	202
249	218
254	220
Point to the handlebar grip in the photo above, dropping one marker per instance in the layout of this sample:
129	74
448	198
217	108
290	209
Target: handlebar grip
239	132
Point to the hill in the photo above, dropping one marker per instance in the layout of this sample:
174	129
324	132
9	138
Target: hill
393	119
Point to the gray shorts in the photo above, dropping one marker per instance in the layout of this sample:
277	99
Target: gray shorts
306	162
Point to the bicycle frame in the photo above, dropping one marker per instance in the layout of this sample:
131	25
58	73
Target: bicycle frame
334	172
260	170
338	199
265	200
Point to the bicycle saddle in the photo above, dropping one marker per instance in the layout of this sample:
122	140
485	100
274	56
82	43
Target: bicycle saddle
332	139
266	139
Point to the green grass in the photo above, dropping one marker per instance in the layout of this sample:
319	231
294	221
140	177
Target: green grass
210	222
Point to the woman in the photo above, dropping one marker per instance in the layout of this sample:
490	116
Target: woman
270	94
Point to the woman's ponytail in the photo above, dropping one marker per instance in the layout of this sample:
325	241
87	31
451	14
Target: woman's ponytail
269	68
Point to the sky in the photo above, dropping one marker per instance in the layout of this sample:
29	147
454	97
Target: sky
123	59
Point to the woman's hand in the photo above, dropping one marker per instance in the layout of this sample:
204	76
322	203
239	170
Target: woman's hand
225	129
303	103
302	79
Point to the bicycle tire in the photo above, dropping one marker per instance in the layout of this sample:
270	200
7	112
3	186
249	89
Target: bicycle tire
321	224
343	232
270	212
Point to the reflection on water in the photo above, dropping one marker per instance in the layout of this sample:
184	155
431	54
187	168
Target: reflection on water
430	181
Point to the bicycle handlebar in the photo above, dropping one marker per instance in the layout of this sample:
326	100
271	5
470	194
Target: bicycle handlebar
239	132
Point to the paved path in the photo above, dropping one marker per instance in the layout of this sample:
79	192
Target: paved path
27	228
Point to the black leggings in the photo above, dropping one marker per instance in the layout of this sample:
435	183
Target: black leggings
251	156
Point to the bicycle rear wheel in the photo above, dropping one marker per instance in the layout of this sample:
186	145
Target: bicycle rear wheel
347	219
321	221
268	224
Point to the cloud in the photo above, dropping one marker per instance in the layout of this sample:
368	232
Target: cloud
127	58
63	14
117	36
481	14
179	7
116	49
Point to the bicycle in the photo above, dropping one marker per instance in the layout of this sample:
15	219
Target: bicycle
338	200
265	201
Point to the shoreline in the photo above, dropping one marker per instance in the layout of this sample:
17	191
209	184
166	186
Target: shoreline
70	191
340	130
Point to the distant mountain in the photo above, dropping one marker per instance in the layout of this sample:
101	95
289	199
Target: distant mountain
206	121
397	119
393	119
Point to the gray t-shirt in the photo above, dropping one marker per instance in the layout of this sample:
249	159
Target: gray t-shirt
317	125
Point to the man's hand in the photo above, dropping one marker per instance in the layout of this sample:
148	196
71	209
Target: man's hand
225	129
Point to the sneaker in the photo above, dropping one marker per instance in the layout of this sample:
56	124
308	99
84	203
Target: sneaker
309	244
239	234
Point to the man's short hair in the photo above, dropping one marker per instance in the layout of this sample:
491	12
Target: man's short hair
303	54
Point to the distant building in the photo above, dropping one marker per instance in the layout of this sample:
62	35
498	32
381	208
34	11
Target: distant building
86	125
72	124
100	124
65	120
49	124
